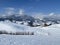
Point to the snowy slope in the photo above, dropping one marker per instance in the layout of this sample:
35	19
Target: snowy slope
13	27
43	35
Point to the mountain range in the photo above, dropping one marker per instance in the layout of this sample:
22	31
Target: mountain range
47	20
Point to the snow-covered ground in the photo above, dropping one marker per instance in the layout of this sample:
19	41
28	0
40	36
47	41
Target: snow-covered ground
42	35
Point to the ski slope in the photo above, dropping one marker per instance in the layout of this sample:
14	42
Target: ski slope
42	35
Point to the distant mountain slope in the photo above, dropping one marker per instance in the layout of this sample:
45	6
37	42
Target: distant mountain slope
17	17
32	21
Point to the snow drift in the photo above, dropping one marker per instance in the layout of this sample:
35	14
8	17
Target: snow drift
14	29
42	35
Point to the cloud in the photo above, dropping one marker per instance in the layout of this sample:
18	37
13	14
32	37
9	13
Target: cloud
38	15
51	14
21	11
9	11
10	8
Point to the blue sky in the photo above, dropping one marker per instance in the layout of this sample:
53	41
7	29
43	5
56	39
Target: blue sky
31	6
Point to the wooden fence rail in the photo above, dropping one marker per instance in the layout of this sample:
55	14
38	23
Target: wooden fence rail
17	33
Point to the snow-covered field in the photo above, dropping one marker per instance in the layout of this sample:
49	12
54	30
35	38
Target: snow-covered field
42	35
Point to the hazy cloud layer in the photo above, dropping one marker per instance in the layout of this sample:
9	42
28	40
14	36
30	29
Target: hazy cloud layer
11	11
21	11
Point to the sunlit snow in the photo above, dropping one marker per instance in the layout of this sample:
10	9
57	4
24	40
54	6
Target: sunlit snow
42	35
